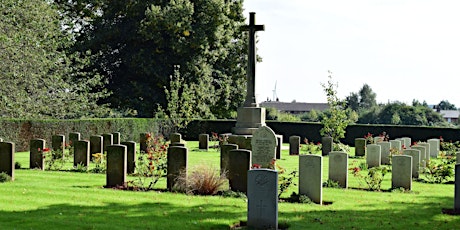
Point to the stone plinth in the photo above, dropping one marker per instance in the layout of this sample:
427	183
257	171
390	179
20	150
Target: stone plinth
249	119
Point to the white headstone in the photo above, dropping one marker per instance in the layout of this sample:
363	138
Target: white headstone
395	144
263	143
373	155
415	154
434	147
262	199
401	173
423	158
338	168
310	177
384	152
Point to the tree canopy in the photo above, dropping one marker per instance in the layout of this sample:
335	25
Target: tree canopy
39	78
136	45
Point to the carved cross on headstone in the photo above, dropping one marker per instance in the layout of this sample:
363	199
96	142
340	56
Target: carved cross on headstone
252	28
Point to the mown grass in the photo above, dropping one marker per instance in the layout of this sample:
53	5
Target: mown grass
71	200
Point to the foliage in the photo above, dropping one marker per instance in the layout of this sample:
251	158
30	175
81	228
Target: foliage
446	105
17	165
331	184
80	168
438	172
341	147
336	122
202	180
300	198
310	147
285	180
372	177
55	159
275	115
152	165
363	100
234	194
135	44
4	177
40	76
100	166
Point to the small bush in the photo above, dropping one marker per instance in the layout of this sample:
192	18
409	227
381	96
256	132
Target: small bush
331	184
233	194
80	168
203	180
4	177
298	198
17	165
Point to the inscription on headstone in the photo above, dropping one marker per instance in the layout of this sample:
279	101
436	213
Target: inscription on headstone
310	177
263	144
401	173
262	199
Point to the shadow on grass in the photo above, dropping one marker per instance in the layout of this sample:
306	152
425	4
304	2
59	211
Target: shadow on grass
159	215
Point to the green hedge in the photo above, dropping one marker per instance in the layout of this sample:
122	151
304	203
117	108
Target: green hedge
20	131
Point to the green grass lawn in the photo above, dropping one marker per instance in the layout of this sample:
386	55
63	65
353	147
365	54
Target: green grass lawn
70	200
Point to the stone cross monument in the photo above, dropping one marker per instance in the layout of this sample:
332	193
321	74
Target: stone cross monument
250	117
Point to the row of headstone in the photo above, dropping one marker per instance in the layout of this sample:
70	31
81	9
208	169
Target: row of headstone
294	145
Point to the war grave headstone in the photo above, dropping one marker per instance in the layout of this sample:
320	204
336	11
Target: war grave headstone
107	139
326	143
130	156
434	147
401	173
175	137
384	152
143	142
179	144
225	156
116	165
396	144
457	189
294	145
81	153
373	155
7	158
427	150
95	145
310	177
360	147
279	146
262	199
407	141
378	139
177	160
338	168
203	141
238	165
73	137
263	144
415	154
58	144
116	138
36	154
422	154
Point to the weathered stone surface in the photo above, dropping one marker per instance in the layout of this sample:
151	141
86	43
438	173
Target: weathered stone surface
338	168
7	158
131	156
74	137
81	153
36	159
373	155
263	147
116	165
401	173
434	147
177	164
116	138
294	145
107	139
203	141
415	154
326	143
225	156
95	145
239	164
262	199
175	137
360	147
58	143
310	177
384	152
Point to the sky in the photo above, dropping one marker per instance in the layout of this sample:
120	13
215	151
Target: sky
402	49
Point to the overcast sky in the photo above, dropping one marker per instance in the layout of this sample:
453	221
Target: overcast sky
403	49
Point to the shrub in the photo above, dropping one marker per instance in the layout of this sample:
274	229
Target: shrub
438	172
297	198
4	177
17	165
331	184
100	166
203	180
373	178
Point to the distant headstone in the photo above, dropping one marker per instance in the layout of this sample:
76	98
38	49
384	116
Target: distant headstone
338	168
310	177
7	158
279	146
434	147
58	144
203	141
415	154
384	152
116	138
457	188
116	165
81	153
294	145
423	157
175	137
179	144
373	155
326	143
427	150
396	144
95	145
130	156
263	144
406	141
225	156
74	137
36	154
238	166
143	142
177	164
262	199
401	173
360	147
107	139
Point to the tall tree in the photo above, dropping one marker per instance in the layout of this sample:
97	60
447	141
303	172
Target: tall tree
137	43
40	79
367	97
446	105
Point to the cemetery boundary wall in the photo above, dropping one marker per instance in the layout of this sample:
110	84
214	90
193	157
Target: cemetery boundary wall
21	131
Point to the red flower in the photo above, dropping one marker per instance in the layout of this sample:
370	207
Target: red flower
319	143
256	166
403	146
46	149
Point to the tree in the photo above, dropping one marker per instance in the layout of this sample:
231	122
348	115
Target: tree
137	43
39	78
352	101
367	97
336	121
445	105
